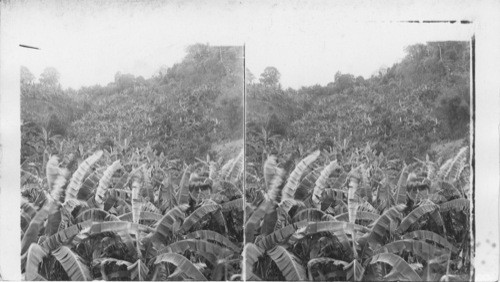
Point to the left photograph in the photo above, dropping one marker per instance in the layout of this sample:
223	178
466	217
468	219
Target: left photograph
134	177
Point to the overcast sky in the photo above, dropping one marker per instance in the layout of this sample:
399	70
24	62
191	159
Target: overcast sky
88	43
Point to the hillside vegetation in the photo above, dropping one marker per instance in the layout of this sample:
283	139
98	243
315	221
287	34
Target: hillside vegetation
120	182
362	179
401	111
181	111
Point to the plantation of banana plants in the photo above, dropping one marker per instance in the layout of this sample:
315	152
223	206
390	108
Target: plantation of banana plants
323	219
189	175
115	217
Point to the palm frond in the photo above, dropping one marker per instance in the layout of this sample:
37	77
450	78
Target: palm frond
280	236
355	271
430	236
170	222
415	215
457	165
183	264
214	237
72	263
326	226
183	193
78	176
197	215
210	251
251	253
309	214
31	234
66	235
400	195
382	226
105	182
255	218
321	182
96	215
143	216
456	205
421	249
273	176
34	257
323	260
236	204
290	266
296	175
399	266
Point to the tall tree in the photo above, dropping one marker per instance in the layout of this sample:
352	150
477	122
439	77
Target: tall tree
270	77
50	77
26	76
249	77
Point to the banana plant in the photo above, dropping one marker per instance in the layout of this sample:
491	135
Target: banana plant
354	226
105	222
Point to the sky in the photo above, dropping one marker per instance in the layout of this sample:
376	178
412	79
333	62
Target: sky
89	42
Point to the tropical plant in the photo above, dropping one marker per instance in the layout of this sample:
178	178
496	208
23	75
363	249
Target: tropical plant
124	219
350	219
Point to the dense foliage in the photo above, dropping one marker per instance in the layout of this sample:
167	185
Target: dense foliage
357	219
106	190
355	180
403	110
126	217
182	111
340	179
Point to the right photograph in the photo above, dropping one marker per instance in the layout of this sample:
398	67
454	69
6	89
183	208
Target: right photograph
360	170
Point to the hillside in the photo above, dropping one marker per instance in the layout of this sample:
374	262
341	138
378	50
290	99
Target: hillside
180	111
419	101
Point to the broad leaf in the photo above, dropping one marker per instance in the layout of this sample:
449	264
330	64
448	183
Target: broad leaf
143	216
170	222
97	215
323	260
117	227
31	234
321	182
183	264
406	273
233	205
355	271
105	182
297	174
280	236
197	216
419	248
253	222
34	257
183	193
430	236
290	266
138	271
327	226
415	215
382	226
210	251
214	237
65	235
360	215
251	253
77	178
456	205
400	194
310	214
72	264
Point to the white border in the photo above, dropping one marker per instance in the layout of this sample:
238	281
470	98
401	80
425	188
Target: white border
484	14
